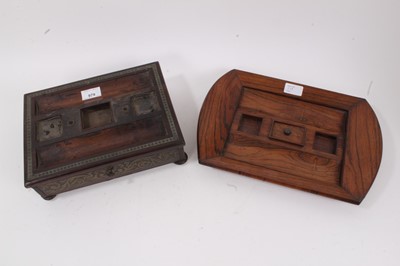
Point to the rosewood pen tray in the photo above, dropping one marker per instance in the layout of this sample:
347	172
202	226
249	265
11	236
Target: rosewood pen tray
98	129
295	135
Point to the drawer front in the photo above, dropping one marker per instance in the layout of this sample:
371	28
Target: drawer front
107	172
288	133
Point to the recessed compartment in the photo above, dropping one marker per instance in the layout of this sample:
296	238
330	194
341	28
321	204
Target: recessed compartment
325	143
250	124
96	116
49	129
145	103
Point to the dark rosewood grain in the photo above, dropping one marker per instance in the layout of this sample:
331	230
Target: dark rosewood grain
323	142
72	141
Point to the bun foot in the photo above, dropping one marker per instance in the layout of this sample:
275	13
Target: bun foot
50	197
183	160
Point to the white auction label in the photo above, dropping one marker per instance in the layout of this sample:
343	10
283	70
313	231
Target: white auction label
91	93
293	89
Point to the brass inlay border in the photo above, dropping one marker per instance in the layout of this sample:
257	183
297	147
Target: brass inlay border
28	121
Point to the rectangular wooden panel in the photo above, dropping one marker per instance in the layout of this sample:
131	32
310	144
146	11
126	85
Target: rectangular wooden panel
284	134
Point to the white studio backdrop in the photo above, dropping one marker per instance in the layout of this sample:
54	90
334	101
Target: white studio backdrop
192	214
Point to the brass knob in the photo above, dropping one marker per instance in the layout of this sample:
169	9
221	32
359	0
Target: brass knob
287	131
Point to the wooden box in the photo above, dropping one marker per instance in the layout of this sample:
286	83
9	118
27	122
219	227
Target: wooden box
98	129
299	136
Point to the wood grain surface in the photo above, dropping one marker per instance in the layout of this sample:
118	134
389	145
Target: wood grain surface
323	142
